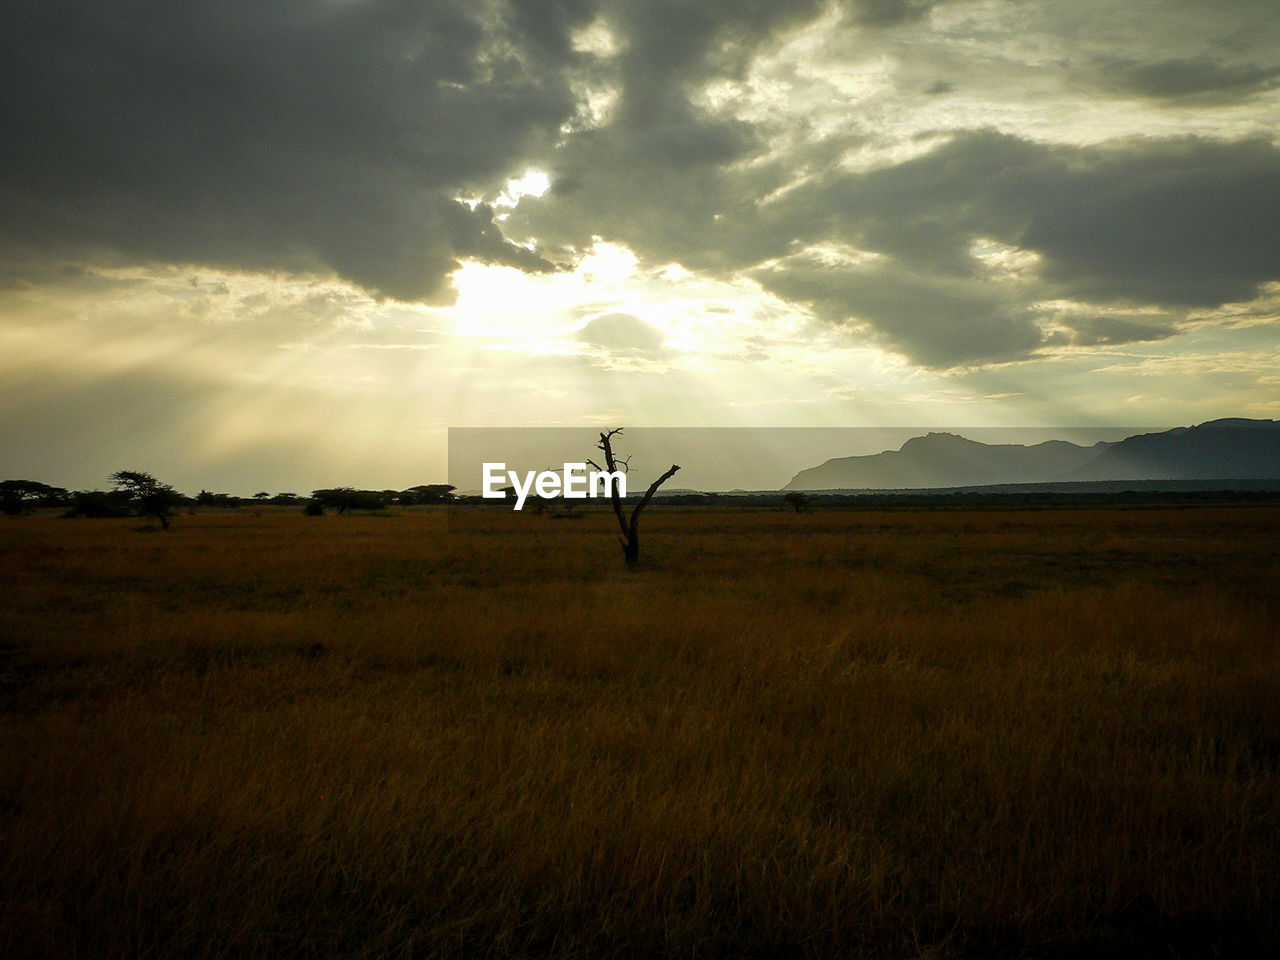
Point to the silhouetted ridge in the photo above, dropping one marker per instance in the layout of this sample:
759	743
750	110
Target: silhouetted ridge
1228	449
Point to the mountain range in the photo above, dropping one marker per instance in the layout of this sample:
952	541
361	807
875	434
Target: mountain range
1229	449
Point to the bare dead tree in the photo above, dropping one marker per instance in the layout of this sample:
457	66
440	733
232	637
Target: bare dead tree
630	538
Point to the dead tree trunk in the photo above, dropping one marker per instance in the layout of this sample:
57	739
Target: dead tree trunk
630	528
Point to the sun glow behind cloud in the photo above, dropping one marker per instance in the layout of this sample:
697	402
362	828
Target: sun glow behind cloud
533	183
216	369
229	375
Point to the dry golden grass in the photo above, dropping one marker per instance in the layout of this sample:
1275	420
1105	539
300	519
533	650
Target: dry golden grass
846	734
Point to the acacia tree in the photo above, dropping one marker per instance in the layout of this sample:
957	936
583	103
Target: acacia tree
19	496
343	499
798	501
148	496
427	493
630	538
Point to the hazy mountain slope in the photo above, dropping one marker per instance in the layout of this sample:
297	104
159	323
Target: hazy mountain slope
947	460
1219	449
1234	449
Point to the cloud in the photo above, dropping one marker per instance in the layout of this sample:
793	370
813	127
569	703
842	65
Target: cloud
1176	223
622	333
937	321
883	13
1179	78
296	135
1182	222
323	137
1091	331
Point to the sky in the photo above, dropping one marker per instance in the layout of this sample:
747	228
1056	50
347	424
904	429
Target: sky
287	244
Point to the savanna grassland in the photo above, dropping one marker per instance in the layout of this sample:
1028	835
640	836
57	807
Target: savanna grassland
879	734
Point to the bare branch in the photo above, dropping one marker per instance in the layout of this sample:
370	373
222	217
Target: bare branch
648	495
618	461
614	497
630	538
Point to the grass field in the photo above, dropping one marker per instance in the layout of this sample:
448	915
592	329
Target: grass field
944	733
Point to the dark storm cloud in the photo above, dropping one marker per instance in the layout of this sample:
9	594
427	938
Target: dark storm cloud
1091	331
937	320
331	136
672	47
1177	224
1179	79
290	134
1185	222
323	135
1181	224
882	13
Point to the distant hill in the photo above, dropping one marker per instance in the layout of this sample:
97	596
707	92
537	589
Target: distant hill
948	460
1231	449
1219	449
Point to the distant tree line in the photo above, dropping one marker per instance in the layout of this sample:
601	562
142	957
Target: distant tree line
135	493
21	496
343	499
